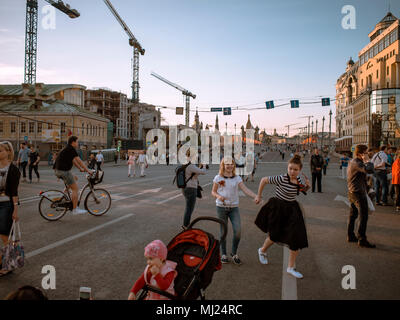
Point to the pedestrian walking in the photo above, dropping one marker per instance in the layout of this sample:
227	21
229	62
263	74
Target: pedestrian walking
116	157
131	164
326	162
23	157
226	190
99	160
283	155
9	182
92	162
380	161
282	217
357	186
396	180
159	273
316	164
344	163
142	163
33	164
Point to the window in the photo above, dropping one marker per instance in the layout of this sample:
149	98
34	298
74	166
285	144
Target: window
62	127
380	45
23	127
87	129
1	127
387	70
31	127
39	127
49	126
377	74
83	129
370	54
391	52
386	41
362	82
13	127
375	50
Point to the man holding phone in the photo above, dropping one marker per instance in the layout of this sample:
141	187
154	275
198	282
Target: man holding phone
67	158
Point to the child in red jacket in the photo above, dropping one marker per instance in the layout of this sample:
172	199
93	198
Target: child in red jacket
159	272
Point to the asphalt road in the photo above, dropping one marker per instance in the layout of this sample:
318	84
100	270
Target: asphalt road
106	253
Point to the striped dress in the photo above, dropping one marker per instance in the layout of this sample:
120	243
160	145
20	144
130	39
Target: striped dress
281	217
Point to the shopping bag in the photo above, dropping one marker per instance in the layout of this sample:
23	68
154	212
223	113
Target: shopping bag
370	204
13	253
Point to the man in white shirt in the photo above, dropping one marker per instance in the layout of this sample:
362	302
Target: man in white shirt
99	160
142	163
380	160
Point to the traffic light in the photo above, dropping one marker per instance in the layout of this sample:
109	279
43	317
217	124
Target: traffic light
269	104
326	102
294	103
227	111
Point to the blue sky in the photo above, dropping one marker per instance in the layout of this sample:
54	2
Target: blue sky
228	52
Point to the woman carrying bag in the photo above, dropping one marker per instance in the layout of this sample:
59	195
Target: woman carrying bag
9	181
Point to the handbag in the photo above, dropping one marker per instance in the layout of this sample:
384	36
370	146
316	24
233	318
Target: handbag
13	253
370	204
199	190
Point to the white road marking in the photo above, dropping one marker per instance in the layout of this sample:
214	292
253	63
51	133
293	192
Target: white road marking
137	194
289	283
77	236
344	199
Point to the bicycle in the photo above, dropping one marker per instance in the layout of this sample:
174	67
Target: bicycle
54	204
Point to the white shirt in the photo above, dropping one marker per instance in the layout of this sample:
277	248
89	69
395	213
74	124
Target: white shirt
99	158
142	158
379	159
229	189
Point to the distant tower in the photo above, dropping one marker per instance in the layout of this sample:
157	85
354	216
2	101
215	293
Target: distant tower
197	122
216	124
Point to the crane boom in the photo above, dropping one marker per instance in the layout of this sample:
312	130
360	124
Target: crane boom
132	40
72	13
183	90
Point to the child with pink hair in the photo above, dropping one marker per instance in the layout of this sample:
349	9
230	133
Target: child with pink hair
159	272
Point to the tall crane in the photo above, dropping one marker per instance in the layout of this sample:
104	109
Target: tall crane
308	132
288	127
31	34
185	92
137	48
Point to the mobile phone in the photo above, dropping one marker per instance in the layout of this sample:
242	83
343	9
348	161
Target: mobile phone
85	293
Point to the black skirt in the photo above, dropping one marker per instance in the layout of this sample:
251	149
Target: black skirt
284	222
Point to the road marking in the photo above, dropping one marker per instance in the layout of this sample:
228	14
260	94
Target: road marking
178	195
137	194
344	199
77	236
289	283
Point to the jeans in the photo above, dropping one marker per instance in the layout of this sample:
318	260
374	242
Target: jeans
234	216
359	205
23	167
190	195
381	179
98	165
316	177
344	172
35	168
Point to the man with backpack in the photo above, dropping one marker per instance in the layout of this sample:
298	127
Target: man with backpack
380	160
187	179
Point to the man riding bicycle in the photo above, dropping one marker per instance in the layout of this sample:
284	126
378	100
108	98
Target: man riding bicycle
63	165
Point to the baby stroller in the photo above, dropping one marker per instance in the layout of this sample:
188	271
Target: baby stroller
196	253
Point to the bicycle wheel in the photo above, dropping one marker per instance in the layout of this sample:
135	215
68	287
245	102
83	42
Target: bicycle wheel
98	202
53	205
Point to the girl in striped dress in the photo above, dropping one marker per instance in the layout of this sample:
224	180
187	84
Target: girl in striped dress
281	217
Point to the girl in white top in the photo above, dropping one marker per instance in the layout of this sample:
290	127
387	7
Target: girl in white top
226	190
131	164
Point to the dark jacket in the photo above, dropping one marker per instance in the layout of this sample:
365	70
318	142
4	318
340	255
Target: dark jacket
316	162
357	176
12	181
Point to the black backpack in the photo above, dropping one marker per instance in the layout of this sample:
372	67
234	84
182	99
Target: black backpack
180	176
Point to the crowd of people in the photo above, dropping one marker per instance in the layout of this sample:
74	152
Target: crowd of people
281	218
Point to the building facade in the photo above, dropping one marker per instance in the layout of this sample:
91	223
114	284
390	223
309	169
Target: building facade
46	115
368	93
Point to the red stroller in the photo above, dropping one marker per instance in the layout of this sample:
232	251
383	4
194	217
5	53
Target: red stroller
196	253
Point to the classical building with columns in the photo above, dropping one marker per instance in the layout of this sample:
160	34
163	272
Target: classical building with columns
368	93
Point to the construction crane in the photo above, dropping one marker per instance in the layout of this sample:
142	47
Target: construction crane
308	132
31	34
288	127
185	92
137	48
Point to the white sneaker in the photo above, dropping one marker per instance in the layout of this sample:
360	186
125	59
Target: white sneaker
77	211
262	256
294	273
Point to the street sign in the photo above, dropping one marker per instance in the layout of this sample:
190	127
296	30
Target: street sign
26	138
179	110
294	103
269	104
227	111
326	102
216	109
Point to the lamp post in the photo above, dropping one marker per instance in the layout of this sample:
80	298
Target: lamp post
330	121
322	138
316	132
312	133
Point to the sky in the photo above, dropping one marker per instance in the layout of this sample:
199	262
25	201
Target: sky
230	53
